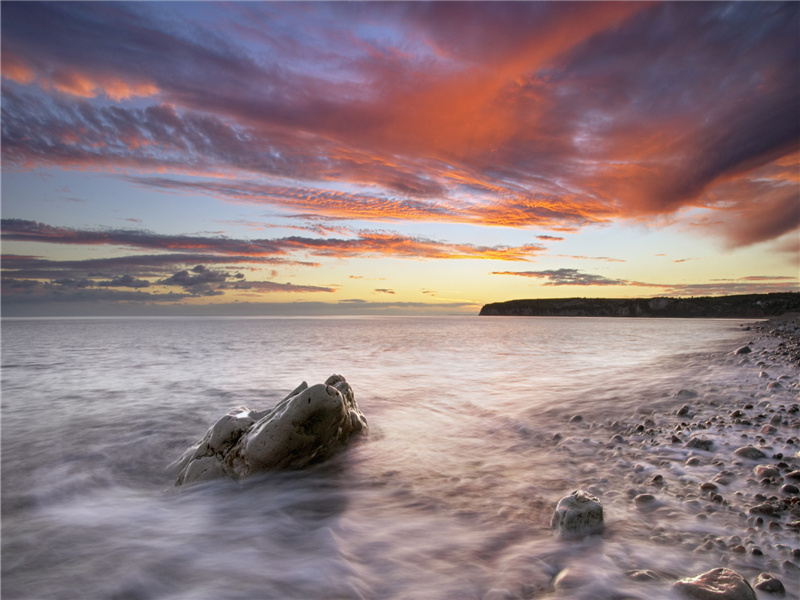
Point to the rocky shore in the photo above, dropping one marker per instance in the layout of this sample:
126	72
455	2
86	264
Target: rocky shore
713	478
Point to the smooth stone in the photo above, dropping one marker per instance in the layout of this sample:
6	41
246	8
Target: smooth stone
790	489
577	515
700	443
743	350
749	452
717	584
767	582
307	426
769	471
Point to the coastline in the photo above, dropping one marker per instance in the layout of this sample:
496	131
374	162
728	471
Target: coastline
742	306
713	473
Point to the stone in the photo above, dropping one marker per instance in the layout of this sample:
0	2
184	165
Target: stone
577	515
768	471
306	427
749	452
717	584
643	575
700	443
743	350
767	582
683	410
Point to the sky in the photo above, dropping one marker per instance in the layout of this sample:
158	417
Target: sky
314	158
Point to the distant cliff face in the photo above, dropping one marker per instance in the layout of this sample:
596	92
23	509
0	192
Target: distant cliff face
747	306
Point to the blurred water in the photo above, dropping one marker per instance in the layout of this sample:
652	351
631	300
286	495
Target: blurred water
451	493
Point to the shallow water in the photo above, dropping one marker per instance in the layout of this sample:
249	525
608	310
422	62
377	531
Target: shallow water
449	496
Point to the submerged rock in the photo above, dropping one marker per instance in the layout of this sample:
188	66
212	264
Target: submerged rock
307	426
767	582
717	584
700	443
577	515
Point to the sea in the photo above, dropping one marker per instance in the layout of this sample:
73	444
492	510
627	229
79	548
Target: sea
450	495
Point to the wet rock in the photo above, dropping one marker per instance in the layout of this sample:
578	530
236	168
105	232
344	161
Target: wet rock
700	443
790	489
793	475
643	575
307	426
767	582
683	410
749	452
743	350
576	419
643	500
775	385
717	584
768	471
577	515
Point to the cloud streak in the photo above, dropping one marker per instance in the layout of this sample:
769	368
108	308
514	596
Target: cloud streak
366	244
754	284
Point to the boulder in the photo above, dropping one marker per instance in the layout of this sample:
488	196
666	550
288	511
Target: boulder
307	426
577	515
717	584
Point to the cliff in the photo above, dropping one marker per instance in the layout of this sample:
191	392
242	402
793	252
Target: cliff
745	306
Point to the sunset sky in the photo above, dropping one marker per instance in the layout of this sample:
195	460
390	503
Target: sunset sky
400	157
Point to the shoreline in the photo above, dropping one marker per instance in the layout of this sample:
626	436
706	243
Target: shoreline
714	474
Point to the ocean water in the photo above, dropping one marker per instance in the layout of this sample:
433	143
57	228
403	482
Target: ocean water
449	496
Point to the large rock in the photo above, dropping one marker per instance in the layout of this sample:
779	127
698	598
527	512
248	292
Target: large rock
717	584
307	426
577	515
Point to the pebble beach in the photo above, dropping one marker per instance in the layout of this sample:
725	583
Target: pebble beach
714	473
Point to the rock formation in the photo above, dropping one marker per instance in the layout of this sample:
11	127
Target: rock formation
577	515
307	426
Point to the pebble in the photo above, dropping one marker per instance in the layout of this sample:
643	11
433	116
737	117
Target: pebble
644	499
790	489
767	582
769	471
720	584
750	453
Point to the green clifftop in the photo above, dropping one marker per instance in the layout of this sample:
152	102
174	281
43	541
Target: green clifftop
745	306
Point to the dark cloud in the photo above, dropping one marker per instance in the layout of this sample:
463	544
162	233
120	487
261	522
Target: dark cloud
565	277
124	281
743	285
383	291
274	286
